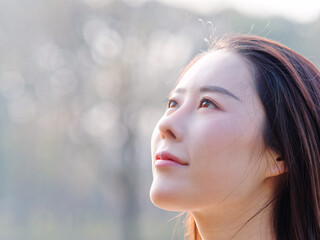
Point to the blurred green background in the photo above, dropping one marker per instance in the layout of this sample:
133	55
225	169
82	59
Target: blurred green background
82	84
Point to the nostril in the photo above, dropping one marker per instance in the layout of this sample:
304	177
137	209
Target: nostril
171	134
167	134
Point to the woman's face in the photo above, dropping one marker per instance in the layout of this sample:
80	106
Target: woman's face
207	148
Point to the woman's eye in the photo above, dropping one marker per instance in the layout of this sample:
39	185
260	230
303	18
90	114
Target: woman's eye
206	103
172	103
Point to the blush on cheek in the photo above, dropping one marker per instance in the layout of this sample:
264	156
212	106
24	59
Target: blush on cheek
213	137
220	155
225	133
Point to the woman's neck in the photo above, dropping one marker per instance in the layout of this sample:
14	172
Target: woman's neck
247	223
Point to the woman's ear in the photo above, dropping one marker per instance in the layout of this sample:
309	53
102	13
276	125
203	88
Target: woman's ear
277	165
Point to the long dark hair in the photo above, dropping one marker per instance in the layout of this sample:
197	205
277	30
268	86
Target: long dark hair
288	85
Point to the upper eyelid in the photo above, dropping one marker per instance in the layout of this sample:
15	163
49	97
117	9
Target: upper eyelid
174	98
205	97
198	101
168	100
211	100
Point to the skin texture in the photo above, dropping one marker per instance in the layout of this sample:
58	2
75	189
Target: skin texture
230	175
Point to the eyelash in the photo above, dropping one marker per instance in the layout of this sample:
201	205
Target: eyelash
169	101
201	102
209	101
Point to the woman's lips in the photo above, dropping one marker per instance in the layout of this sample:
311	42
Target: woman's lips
167	159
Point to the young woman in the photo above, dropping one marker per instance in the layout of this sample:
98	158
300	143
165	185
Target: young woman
238	146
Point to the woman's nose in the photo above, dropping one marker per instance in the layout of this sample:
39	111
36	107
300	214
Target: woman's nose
170	128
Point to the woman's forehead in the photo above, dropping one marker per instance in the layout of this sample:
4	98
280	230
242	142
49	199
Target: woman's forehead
219	68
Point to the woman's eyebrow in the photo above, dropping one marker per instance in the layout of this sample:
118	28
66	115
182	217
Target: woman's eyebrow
209	89
177	91
218	89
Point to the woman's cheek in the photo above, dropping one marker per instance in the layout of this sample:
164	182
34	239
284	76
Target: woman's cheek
217	148
212	136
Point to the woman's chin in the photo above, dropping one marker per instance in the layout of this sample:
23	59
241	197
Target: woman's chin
166	198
